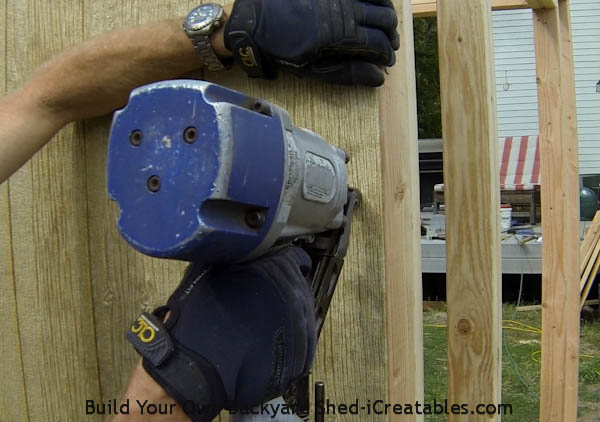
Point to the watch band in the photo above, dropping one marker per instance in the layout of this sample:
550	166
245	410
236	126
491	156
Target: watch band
206	52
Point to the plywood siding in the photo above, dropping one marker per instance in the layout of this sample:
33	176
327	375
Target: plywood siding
13	403
516	78
71	286
49	238
352	353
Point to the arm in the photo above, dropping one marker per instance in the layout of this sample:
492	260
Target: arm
92	79
322	41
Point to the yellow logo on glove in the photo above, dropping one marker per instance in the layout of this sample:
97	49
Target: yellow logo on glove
144	329
247	55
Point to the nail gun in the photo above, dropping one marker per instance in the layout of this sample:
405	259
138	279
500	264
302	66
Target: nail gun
204	173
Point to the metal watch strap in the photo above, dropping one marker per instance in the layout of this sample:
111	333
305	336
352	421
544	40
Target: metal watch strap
206	52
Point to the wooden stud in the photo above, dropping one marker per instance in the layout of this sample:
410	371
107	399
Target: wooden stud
539	307
402	223
471	176
425	8
590	264
587	246
588	283
560	215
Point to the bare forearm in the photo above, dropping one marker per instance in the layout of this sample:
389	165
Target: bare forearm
96	77
24	129
92	79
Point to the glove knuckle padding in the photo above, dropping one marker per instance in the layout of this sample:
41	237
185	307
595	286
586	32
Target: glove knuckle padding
284	29
383	18
300	35
287	270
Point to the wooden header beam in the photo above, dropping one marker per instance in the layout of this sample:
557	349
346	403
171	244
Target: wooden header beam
425	8
543	4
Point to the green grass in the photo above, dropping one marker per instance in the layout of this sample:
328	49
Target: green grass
520	369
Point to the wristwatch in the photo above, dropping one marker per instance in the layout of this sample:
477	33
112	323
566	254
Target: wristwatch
199	25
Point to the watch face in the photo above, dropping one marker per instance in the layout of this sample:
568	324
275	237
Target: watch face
203	17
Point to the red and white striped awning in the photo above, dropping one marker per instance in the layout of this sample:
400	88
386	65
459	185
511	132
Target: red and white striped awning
519	163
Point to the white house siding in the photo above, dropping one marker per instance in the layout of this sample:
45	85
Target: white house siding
515	73
516	76
585	20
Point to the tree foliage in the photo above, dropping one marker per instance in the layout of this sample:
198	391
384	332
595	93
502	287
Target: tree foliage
428	78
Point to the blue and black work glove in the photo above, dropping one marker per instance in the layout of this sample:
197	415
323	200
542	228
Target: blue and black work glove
339	41
235	336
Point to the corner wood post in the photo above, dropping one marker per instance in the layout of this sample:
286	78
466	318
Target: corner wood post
560	214
472	194
402	223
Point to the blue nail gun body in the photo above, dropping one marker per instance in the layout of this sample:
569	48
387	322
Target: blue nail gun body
205	173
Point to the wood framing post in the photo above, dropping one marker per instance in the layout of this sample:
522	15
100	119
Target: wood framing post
425	8
560	214
402	223
472	193
543	4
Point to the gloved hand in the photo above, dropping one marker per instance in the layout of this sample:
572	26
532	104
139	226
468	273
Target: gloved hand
340	41
235	336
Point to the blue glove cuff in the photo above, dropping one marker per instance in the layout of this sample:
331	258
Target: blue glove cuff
239	39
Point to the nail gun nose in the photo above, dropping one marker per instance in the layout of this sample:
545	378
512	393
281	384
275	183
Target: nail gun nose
347	155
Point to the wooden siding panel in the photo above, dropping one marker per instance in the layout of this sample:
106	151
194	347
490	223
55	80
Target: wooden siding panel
352	352
13	404
49	234
125	282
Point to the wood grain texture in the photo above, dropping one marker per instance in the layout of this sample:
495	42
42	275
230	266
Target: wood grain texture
49	235
13	400
560	216
125	282
587	286
77	280
351	356
590	264
425	8
570	312
471	176
543	4
402	222
13	403
587	246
